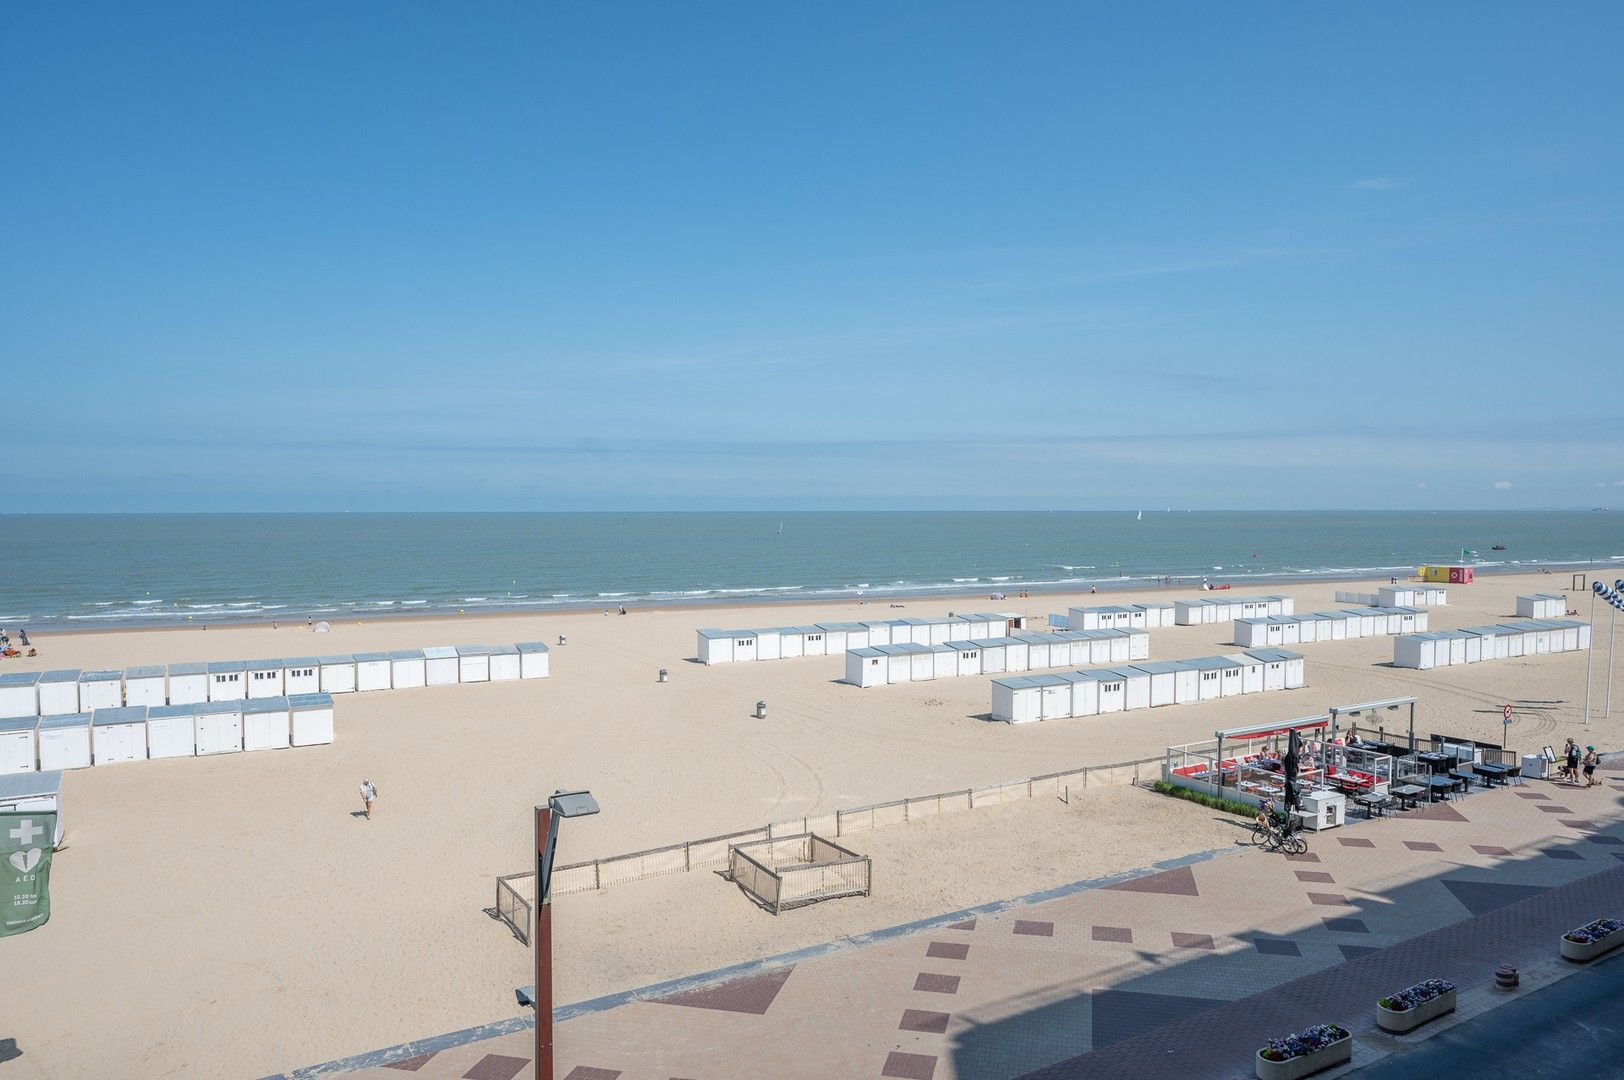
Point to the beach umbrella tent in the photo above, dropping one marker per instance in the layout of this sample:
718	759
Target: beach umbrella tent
34	793
118	735
188	683
19	751
171	731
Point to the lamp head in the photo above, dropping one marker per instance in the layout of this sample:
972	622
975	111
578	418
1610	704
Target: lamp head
572	803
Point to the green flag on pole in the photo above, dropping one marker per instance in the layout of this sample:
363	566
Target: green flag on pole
25	870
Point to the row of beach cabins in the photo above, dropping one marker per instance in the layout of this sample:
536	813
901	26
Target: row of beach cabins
1329	626
139	733
885	665
1410	594
832	639
68	692
1144	686
1473	644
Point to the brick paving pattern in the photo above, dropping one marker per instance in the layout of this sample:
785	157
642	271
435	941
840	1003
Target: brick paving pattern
1182	972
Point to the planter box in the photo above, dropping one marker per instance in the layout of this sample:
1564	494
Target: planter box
1338	1053
1410	1019
1583	952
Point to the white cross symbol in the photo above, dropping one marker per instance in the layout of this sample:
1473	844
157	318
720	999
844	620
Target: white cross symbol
26	832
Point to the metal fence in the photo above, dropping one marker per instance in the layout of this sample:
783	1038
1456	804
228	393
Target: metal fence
793	871
711	853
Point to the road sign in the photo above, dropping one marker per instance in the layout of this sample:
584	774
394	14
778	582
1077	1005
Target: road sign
1507	712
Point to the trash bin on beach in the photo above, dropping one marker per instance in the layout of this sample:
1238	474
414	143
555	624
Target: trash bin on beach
664	675
761	710
562	639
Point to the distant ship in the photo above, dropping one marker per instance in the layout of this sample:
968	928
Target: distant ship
1498	547
1139	516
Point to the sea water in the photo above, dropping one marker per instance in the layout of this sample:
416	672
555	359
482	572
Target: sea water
123	570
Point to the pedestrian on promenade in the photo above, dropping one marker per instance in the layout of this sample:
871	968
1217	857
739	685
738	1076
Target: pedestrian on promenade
369	795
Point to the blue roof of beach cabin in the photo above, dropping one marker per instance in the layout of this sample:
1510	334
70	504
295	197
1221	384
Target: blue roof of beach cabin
712	634
23	785
130	714
964	646
400	654
846	626
1158	667
101	676
190	668
19	678
155	671
212	708
329	661
867	651
265	704
301	661
167	712
64	720
62	675
225	667
310	701
473	650
18	723
265	665
371	657
537	646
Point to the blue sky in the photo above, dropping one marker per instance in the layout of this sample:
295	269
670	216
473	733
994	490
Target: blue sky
396	256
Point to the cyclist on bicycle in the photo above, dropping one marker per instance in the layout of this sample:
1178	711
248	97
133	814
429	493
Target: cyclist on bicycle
1270	818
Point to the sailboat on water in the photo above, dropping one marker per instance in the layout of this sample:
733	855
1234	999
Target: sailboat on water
1139	516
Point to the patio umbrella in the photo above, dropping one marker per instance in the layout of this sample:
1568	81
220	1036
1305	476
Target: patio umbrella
1289	768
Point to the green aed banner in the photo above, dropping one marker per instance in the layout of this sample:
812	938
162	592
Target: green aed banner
25	870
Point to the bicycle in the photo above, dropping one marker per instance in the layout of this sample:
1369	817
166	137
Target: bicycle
1274	837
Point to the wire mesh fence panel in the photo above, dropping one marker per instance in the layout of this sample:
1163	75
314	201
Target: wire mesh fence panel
802	885
755	878
643	864
1002	793
711	853
512	907
824	823
945	802
787	828
582	877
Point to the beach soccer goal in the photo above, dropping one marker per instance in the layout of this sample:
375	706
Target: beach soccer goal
793	871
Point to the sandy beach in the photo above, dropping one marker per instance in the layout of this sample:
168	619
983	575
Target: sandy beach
232	916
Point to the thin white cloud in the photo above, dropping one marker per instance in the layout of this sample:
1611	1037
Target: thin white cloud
1611	483
1502	485
1422	485
1377	183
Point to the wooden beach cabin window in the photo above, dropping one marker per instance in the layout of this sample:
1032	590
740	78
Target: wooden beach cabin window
814	637
874	661
970	655
741	641
1111	687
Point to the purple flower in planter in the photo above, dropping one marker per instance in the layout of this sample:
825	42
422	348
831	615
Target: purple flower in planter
1419	994
1315	1038
1594	931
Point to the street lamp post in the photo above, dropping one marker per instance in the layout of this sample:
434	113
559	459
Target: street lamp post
561	804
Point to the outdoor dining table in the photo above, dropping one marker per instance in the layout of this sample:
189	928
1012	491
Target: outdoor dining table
1408	794
1439	763
1491	773
1441	785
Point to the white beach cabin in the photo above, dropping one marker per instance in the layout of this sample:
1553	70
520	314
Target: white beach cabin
1161	674
968	657
375	671
1135	687
337	674
439	665
865	667
1282	669
534	662
19	693
715	646
311	719
769	643
19	751
840	636
145	686
218	727
1112	693
1251	669
34	793
101	690
64	742
505	666
264	679
188	683
118	735
1396	596
1212	671
1250	633
945	661
301	675
266	724
1542	606
59	692
228	680
171	732
473	663
408	669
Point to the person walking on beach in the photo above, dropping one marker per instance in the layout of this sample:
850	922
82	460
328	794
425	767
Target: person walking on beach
1591	761
1571	754
369	794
